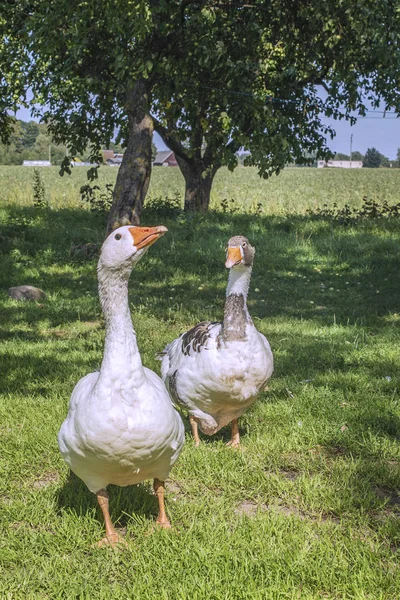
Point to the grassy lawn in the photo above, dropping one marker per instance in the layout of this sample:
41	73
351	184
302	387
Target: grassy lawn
309	507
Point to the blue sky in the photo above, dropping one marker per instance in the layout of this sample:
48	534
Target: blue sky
372	131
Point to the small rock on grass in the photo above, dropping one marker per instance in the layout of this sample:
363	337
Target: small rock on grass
26	292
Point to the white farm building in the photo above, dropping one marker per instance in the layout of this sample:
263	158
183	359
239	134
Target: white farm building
341	164
36	163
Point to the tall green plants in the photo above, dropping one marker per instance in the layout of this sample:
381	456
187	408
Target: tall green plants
39	191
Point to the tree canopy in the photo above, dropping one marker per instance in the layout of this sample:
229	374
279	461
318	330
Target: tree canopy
372	159
278	68
211	77
31	141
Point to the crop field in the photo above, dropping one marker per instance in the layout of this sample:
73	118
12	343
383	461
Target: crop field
293	191
309	507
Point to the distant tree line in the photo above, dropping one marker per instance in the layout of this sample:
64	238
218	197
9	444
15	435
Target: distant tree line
31	141
372	159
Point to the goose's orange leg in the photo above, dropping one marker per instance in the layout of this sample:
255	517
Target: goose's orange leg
235	435
162	519
195	430
112	537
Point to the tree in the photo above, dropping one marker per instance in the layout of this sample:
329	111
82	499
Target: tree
11	154
385	162
372	159
263	91
396	162
356	155
119	149
30	132
211	77
30	141
340	156
153	151
90	68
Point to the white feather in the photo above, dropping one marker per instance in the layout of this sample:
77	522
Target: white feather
121	427
217	381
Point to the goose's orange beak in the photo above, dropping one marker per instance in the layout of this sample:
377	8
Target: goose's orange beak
233	257
146	236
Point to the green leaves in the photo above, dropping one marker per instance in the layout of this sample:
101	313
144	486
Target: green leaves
220	77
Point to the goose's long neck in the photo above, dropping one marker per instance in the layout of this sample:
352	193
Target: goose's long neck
121	360
236	315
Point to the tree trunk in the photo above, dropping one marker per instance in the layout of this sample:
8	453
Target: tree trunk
198	182
134	173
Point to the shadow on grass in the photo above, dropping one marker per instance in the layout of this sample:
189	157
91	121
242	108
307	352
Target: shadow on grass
125	502
316	271
308	269
40	375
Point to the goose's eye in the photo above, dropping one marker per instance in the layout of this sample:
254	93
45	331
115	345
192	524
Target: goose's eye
117	236
244	245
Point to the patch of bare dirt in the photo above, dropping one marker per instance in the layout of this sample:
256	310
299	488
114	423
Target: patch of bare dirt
46	480
174	490
391	497
250	508
58	333
289	474
25	526
4	499
328	451
291	511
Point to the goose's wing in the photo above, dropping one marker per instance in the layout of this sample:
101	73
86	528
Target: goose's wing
270	360
188	344
186	348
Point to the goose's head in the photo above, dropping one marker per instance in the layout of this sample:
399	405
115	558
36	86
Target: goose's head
239	253
126	245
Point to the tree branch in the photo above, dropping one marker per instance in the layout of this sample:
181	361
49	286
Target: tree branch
322	84
234	146
171	141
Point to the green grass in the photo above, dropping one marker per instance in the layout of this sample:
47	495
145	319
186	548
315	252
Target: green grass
293	191
309	508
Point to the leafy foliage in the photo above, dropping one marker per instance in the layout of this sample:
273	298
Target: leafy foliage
262	91
165	206
39	192
218	76
372	159
97	197
30	141
370	209
356	155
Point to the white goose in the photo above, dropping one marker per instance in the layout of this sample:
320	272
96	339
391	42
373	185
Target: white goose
121	427
215	370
